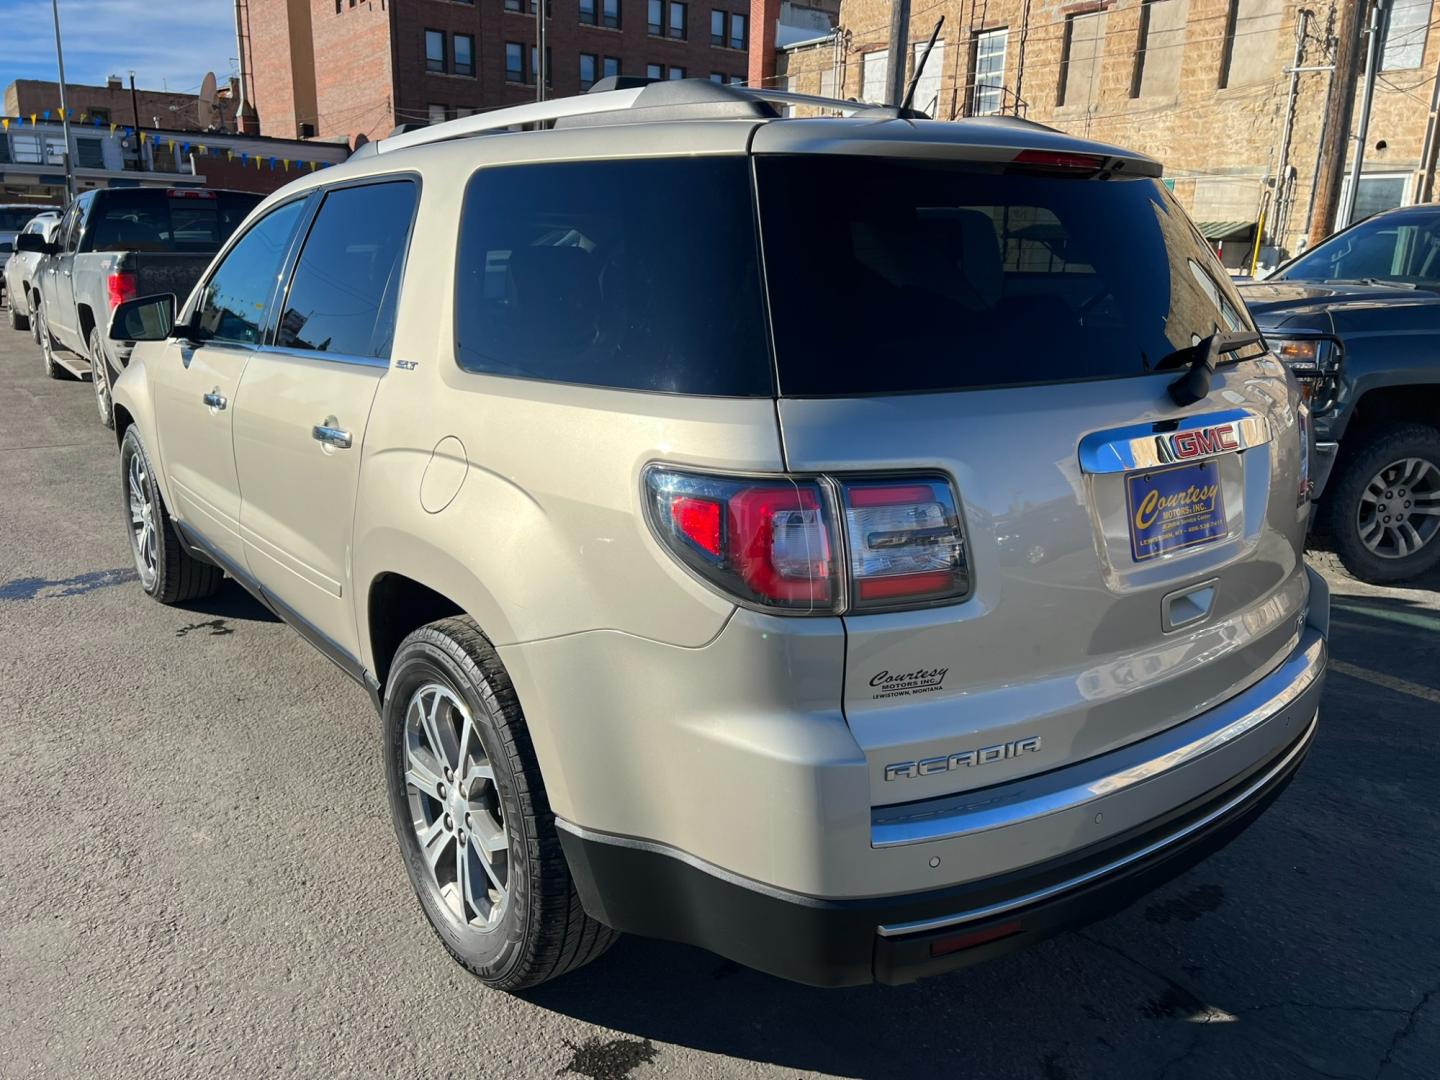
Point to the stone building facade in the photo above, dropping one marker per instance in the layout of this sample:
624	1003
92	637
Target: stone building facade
1203	85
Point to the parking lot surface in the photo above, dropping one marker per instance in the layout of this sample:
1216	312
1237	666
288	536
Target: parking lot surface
198	874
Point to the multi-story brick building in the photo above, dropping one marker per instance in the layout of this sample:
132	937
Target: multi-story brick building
117	103
1203	85
361	67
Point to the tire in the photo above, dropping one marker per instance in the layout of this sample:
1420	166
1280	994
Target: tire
47	346
168	573
100	378
17	321
535	930
1384	507
35	318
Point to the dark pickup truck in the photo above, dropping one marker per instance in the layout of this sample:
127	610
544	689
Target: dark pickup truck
1357	318
113	245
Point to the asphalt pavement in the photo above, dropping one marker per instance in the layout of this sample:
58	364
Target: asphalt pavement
198	875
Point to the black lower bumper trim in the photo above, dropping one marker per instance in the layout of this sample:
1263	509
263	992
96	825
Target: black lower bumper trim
639	888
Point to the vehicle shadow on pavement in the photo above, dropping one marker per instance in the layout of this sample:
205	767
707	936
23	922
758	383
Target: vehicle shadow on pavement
231	602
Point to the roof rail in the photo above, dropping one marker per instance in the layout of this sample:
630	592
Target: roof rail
657	99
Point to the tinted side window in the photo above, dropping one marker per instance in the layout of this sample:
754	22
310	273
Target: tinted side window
232	306
637	275
342	296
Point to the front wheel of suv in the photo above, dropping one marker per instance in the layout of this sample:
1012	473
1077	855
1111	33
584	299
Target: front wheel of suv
168	572
472	817
1385	505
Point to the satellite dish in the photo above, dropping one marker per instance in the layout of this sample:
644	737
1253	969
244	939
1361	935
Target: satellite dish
205	103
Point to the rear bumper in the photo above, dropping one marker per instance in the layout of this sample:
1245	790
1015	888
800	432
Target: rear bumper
1199	786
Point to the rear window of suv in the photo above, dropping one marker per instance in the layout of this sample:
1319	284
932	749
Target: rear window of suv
891	276
634	274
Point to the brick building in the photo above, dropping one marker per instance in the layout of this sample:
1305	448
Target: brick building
115	103
1202	85
360	67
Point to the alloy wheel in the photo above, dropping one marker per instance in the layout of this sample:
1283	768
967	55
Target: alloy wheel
98	376
144	536
455	807
1399	511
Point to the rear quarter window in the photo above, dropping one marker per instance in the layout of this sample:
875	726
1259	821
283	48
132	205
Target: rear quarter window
894	276
638	275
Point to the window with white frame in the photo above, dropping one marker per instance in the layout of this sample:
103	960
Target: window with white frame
988	79
873	69
1405	36
1377	192
927	90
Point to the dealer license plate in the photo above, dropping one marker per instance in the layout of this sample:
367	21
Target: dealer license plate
1170	509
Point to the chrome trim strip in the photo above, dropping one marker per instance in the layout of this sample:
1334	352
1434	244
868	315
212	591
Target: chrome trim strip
1145	446
334	358
1000	908
965	814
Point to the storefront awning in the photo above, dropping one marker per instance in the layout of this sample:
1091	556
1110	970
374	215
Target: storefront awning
1226	230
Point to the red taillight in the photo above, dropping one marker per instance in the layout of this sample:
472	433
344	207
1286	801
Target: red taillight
958	942
1059	160
119	287
699	520
775	543
766	542
188	193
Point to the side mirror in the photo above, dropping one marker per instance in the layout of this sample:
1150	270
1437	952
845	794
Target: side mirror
35	242
148	318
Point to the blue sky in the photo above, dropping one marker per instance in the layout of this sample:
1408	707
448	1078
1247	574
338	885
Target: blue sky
165	42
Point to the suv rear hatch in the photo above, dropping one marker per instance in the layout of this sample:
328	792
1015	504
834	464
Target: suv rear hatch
1131	562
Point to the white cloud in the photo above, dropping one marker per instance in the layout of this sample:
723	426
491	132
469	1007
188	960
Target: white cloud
167	43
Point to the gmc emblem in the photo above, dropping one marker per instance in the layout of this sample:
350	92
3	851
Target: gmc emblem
1204	442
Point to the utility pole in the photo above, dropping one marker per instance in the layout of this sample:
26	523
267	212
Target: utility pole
542	67
134	103
1431	146
1339	108
64	107
899	45
1374	54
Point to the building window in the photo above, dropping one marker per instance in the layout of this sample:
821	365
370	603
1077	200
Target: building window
737	32
1405	36
33	149
612	67
987	73
1376	193
675	72
717	28
654	71
587	12
1162	46
512	5
464	46
89	153
435	50
678	18
610	13
927	90
534	66
437	114
716	77
514	62
655	20
103	115
587	70
1248	55
1080	58
873	68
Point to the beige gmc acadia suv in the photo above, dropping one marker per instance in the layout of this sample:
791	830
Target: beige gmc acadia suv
857	545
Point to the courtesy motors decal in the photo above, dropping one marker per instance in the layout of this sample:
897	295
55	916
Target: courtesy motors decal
888	684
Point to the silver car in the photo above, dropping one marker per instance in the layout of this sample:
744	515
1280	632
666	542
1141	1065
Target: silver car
856	545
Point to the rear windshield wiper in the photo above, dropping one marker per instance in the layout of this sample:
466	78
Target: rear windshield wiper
1201	359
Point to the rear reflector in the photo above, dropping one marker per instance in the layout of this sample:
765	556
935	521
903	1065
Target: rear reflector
1059	161
947	945
699	520
188	193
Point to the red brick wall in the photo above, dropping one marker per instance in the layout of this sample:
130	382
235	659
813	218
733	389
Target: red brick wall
352	67
222	173
272	84
34	96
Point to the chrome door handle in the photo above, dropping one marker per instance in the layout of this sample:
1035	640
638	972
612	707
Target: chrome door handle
331	435
215	400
